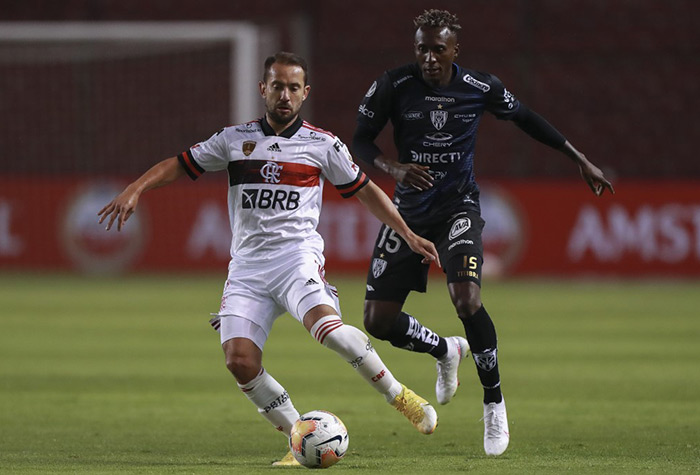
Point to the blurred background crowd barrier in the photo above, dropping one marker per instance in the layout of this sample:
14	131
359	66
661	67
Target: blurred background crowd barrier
92	93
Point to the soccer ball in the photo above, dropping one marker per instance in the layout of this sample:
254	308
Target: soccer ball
318	439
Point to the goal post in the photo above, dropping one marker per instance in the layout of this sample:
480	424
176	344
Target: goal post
246	42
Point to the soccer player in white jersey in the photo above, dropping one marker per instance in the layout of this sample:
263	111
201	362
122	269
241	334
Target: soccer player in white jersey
277	167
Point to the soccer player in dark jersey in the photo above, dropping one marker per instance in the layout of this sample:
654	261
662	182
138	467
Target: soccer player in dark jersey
435	107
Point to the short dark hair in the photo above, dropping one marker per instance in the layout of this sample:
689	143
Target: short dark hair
284	57
437	19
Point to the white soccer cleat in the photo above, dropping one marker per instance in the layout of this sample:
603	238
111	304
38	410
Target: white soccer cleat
447	366
496	435
417	410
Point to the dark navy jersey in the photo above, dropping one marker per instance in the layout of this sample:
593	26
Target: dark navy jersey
437	128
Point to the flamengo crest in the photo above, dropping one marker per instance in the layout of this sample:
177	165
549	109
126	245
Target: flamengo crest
271	172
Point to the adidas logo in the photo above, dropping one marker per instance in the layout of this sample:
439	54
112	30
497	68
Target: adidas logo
274	148
311	282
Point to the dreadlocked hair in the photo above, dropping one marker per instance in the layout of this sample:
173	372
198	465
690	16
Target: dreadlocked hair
437	19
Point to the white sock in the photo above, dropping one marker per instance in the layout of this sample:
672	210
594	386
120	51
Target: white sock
355	347
272	401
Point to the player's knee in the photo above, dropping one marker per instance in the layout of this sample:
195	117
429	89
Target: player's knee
467	305
243	367
376	325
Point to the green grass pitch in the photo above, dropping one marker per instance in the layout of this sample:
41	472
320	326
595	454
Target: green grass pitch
124	375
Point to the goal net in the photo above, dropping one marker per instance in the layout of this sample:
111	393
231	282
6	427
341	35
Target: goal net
106	97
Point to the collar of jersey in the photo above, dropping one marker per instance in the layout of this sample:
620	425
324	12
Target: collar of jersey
286	133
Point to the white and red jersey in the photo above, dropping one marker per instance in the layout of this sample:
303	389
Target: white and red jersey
275	183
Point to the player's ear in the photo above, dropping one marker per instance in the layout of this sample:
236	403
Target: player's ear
307	88
261	86
456	50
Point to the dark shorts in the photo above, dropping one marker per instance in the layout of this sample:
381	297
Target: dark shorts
395	269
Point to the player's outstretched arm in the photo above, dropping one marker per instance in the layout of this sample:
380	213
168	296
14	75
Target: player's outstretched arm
538	128
379	204
124	205
591	174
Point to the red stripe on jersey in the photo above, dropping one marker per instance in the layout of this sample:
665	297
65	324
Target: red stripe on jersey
273	173
326	328
316	129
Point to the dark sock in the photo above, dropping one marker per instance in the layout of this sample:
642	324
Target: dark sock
481	335
409	334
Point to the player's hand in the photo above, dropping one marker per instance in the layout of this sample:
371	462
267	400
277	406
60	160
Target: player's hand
593	176
119	209
410	174
425	248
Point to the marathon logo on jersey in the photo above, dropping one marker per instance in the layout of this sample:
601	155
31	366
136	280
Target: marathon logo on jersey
466	242
378	267
248	147
264	198
271	172
476	83
439	99
438	118
460	227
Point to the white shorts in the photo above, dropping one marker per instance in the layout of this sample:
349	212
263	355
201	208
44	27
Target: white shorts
256	294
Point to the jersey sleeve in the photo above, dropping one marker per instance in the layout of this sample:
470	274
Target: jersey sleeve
210	155
500	102
342	171
375	107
